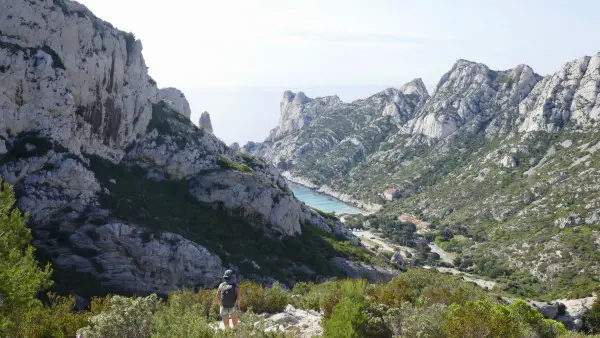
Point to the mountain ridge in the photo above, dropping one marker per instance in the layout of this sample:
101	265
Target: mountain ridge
488	150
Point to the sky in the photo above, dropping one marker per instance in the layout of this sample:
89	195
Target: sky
235	58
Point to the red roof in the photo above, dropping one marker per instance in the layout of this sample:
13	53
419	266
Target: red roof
391	190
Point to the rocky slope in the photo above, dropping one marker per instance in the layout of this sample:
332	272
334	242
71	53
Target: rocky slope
505	158
123	191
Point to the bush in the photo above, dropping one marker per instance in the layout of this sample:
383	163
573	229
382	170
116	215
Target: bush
259	299
202	301
393	294
485	319
375	325
591	319
179	320
55	320
125	317
306	296
427	286
229	164
480	319
346	318
319	297
417	321
351	314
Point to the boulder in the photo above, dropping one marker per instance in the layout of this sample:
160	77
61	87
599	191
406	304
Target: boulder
549	310
397	258
307	322
568	321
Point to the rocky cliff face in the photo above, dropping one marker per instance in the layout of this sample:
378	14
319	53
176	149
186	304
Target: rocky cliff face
175	100
63	67
204	123
121	187
313	132
506	156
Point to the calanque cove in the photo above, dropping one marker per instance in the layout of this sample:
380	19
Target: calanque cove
471	211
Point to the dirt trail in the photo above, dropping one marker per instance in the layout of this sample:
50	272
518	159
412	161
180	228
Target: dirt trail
370	239
444	256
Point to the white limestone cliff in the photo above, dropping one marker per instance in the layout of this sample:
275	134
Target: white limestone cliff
176	100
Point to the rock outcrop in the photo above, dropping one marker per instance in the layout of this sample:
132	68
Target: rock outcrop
373	274
307	322
73	77
204	123
175	100
566	311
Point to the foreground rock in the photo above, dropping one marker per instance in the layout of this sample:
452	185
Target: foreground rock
566	311
305	322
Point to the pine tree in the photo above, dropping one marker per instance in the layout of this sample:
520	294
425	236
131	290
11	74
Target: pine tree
21	278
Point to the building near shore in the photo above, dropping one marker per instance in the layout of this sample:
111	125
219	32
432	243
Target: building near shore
390	194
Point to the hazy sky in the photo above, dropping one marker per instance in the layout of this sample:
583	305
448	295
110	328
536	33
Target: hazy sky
325	47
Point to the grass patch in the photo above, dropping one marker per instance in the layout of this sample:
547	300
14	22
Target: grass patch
229	164
327	215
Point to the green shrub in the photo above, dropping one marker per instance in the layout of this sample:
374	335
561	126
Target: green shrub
483	318
203	301
327	215
57	319
591	319
535	321
346	318
100	304
353	316
417	321
126	317
226	163
375	325
480	319
181	320
260	299
393	294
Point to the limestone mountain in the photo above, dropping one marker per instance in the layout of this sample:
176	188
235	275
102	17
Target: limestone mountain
504	158
124	192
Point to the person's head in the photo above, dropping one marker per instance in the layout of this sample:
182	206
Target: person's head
228	276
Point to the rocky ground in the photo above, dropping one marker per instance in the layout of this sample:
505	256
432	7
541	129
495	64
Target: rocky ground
297	322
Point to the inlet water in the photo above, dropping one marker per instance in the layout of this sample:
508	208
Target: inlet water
321	201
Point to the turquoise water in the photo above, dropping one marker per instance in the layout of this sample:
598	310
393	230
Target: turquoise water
321	201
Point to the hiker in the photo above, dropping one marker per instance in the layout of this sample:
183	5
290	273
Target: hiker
228	298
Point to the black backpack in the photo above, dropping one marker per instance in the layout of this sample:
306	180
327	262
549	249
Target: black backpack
228	295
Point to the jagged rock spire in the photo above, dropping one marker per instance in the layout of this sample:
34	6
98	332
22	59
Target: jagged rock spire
204	122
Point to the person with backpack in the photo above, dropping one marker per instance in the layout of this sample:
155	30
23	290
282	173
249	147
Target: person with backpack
228	298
